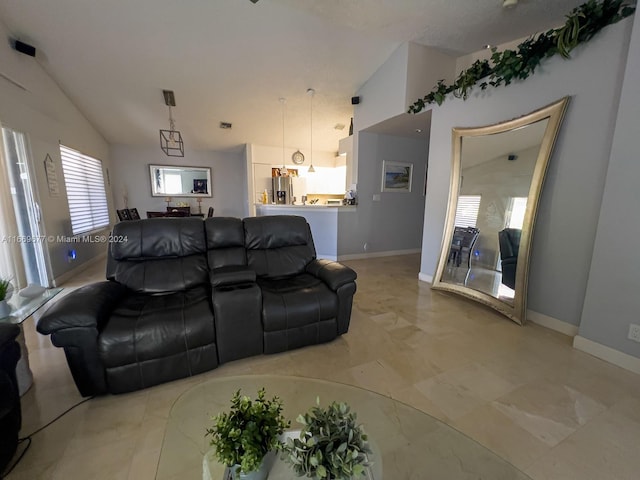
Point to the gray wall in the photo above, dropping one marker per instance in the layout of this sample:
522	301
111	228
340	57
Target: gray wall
395	222
48	117
130	176
612	300
568	213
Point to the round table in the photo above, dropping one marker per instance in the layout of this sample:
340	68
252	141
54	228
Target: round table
410	444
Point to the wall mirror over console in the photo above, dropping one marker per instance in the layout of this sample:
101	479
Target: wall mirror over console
176	181
496	179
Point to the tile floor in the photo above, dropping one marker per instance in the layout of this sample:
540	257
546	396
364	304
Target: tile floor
523	392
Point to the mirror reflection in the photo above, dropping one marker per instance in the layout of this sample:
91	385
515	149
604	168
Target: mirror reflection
177	181
496	172
497	176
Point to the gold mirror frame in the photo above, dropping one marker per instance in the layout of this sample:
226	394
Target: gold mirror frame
515	310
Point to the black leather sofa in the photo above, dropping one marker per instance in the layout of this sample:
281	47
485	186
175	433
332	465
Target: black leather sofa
10	412
184	295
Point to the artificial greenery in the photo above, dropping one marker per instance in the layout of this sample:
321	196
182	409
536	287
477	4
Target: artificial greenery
504	67
244	435
5	285
331	444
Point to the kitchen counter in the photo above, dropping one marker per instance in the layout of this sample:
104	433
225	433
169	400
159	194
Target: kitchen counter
269	206
323	220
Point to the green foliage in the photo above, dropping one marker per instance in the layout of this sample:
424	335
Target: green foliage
5	284
331	444
244	435
504	67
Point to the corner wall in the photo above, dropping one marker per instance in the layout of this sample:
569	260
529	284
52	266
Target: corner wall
48	117
612	301
567	220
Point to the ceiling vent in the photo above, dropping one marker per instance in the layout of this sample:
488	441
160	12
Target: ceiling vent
225	125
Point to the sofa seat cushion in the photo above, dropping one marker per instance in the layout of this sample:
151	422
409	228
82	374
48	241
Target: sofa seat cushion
146	327
295	301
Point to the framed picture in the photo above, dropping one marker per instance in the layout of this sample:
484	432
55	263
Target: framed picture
396	176
200	185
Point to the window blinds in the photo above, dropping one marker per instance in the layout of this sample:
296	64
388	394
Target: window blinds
467	210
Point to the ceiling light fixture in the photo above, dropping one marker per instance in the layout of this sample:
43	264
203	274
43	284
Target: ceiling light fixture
283	170
171	140
509	3
311	92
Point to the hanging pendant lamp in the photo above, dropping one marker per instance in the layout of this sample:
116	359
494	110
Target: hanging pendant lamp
311	92
171	140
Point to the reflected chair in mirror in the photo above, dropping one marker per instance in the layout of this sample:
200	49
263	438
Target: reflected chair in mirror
509	240
210	212
133	213
464	239
123	214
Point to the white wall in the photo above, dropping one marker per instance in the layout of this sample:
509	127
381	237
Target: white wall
48	117
130	174
612	300
567	217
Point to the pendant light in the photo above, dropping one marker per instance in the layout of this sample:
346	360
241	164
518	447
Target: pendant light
171	140
283	170
311	92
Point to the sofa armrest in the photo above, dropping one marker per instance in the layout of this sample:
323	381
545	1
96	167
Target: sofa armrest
8	332
89	306
334	274
231	275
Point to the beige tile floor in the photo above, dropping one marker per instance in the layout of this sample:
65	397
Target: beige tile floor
524	392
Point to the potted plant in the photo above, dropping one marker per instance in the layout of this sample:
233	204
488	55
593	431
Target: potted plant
5	294
244	435
331	446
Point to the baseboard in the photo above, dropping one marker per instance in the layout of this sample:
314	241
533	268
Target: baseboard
552	323
389	253
608	354
423	277
66	276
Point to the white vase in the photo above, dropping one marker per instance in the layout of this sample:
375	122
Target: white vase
5	309
260	474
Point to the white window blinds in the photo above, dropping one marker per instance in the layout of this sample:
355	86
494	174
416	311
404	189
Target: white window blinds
467	210
85	191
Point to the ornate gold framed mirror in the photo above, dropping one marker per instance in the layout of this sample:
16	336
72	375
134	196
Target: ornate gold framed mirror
496	179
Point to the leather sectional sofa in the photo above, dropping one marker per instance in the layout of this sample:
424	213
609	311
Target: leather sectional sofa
184	295
10	412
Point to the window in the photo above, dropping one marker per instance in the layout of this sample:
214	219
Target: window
85	191
467	210
515	212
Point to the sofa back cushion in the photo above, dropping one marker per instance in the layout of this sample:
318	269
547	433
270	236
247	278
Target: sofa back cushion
278	245
158	255
225	242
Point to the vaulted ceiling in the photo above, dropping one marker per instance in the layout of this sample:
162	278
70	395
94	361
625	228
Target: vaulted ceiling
231	60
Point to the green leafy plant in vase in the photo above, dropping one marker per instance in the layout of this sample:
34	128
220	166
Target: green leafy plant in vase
5	294
243	436
331	446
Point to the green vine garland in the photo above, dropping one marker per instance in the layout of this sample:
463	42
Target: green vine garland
582	24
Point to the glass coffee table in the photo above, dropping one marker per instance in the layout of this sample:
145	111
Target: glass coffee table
21	309
408	444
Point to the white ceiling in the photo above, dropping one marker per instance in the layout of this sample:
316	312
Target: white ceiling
231	60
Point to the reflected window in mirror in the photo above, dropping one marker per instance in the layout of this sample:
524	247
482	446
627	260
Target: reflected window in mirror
496	178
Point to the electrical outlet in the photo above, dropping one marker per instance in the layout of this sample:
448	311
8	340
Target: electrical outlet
634	332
